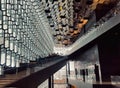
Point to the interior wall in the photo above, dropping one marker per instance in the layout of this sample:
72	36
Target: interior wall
109	53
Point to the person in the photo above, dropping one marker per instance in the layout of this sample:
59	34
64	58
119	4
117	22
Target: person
83	75
76	73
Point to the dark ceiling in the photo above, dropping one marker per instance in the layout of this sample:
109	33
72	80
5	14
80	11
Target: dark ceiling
102	9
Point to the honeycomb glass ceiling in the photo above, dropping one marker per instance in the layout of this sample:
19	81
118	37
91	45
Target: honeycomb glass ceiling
67	18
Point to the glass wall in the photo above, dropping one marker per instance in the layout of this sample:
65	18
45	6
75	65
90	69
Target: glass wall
60	78
24	35
44	84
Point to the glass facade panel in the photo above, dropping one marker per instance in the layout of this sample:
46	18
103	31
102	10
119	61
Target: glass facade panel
3	56
21	32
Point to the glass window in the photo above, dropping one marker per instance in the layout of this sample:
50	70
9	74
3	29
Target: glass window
11	43
13	60
7	40
3	56
8	58
1	33
15	46
17	61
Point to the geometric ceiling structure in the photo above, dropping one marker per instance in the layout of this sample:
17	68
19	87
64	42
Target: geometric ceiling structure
67	18
33	29
83	13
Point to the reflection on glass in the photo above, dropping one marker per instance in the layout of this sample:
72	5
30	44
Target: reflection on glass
17	60
11	44
8	58
3	55
13	60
